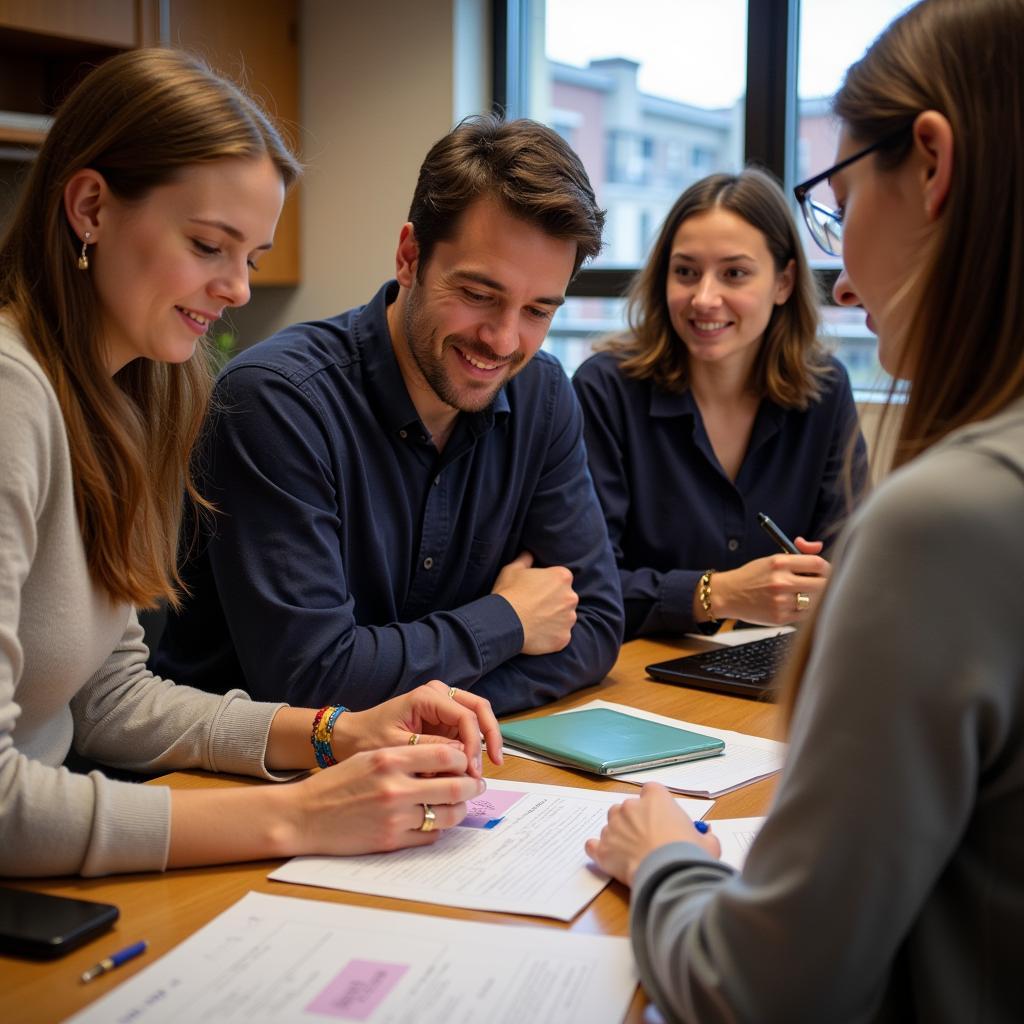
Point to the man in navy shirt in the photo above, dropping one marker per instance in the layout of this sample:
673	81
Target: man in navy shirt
402	490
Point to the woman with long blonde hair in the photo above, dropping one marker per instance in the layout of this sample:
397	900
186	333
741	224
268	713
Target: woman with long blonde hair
155	194
888	880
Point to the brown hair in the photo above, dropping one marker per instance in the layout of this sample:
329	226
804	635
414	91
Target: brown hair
791	362
963	346
525	165
139	119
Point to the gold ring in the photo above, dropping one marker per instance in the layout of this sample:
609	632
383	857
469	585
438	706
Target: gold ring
414	738
451	692
429	819
803	602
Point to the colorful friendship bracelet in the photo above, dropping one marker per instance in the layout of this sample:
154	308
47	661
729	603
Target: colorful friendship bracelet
322	732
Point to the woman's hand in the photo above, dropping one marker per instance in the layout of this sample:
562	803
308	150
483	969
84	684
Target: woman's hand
641	825
434	712
765	590
374	801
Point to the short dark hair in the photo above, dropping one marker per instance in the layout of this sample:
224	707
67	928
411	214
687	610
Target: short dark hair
527	167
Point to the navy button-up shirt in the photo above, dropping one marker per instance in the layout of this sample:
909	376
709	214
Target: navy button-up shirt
672	511
350	561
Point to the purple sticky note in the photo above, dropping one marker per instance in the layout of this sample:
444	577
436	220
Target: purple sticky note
357	991
485	810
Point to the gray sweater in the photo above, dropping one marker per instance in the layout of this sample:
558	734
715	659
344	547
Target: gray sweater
888	881
73	671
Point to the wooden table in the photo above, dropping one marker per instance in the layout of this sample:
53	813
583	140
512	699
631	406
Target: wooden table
167	908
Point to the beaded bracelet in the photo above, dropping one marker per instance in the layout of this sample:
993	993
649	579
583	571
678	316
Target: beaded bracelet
322	732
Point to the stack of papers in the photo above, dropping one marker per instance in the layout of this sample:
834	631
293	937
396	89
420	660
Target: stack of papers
746	759
519	851
736	836
276	958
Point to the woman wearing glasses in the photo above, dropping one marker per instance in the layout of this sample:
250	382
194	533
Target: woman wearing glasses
719	404
888	881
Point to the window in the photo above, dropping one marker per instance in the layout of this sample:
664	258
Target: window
666	93
565	122
629	158
702	160
824	56
653	108
646	231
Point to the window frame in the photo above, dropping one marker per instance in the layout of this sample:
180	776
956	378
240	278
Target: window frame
770	109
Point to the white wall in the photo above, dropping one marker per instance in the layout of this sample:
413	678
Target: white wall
381	81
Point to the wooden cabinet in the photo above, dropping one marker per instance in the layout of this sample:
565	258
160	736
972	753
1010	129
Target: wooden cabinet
47	46
255	42
114	23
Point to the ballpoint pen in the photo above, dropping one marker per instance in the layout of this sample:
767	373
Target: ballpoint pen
787	546
115	960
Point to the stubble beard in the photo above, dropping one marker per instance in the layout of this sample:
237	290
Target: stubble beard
421	338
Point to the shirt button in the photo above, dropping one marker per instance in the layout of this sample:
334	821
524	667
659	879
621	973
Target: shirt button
428	563
733	544
403	434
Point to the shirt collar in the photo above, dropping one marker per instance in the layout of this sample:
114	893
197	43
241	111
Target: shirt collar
671	403
665	404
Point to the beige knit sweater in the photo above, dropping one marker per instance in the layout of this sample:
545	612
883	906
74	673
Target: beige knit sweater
73	672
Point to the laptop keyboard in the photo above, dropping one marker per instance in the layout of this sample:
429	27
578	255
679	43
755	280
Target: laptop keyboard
756	662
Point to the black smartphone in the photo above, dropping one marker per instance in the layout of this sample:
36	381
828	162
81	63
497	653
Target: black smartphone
40	926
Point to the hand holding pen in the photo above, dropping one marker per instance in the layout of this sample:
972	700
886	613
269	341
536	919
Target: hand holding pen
776	590
802	598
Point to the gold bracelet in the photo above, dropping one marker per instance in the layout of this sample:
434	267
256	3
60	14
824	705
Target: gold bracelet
704	594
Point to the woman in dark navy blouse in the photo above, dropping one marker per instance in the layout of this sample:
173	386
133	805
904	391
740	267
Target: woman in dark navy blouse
720	403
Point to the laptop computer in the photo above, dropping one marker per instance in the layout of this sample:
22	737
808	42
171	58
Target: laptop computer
746	670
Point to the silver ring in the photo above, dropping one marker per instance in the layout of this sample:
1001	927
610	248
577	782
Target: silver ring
803	602
429	819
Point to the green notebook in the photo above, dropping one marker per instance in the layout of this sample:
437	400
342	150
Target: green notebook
608	742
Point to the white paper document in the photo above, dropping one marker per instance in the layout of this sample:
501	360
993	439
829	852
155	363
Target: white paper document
521	853
746	759
735	835
739	637
275	960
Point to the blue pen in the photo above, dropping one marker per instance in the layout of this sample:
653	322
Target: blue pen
115	960
702	827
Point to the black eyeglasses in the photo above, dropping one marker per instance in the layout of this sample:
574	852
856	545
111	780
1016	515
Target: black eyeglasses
824	223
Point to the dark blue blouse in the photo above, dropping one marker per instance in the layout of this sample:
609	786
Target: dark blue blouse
672	511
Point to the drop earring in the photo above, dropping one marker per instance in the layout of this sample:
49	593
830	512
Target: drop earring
83	259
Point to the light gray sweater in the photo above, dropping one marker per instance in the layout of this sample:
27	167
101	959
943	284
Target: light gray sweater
73	670
888	881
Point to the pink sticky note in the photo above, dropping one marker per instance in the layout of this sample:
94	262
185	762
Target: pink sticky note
357	991
489	807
